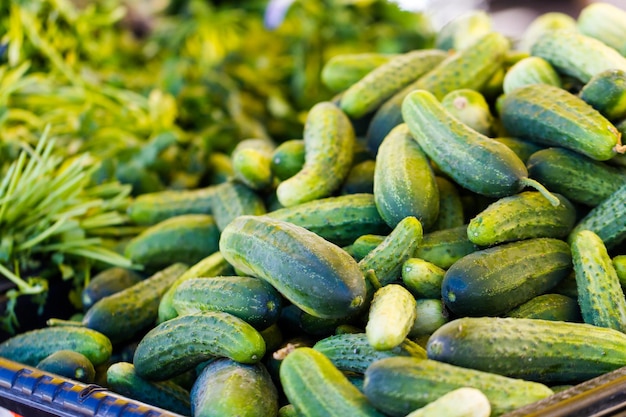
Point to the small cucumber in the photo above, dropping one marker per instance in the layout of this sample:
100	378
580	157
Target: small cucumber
329	142
70	364
430	314
422	278
619	263
32	346
180	344
606	92
461	402
451	212
364	244
600	294
471	108
542	24
288	159
493	281
317	388
530	70
319	277
404	181
556	307
391	317
343	70
463	30
606	22
522	148
123	379
226	388
107	282
532	349
522	216
297	321
360	179
445	247
402	384
552	116
252	160
234	199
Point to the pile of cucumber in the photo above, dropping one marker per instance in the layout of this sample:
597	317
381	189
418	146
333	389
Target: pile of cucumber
448	237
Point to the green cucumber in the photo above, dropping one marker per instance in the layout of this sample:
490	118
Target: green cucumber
180	344
287	159
422	278
606	92
129	312
463	30
556	307
391	317
522	148
542	24
471	159
252	160
311	272
364	244
70	364
619	263
227	388
402	384
404	181
298	321
352	352
444	247
122	378
251	299
605	22
329	142
461	402
107	282
339	219
522	216
360	179
317	388
430	314
471	108
600	294
32	346
577	177
451	212
343	70
537	350
492	281
530	70
234	199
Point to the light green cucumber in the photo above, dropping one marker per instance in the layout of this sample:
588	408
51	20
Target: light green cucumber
153	208
530	70
606	22
445	247
606	92
252	160
471	108
430	314
600	294
364	244
391	317
619	263
461	402
542	24
557	307
422	278
343	70
107	282
404	181
451	211
234	199
462	31
287	159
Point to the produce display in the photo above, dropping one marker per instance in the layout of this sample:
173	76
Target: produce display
224	210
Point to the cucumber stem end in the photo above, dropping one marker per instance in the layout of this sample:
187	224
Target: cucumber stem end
529	182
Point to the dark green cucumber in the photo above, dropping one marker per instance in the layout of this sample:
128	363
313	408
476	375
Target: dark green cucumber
445	247
600	294
522	216
186	238
70	364
404	181
287	159
522	148
123	379
606	92
107	282
297	321
227	388
251	299
234	199
339	220
451	211
472	160
553	116
577	177
343	70
360	179
314	274
318	389
364	244
402	384
32	346
180	344
352	352
123	315
556	307
493	281
532	349
390	317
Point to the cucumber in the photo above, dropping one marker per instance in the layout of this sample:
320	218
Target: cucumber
577	55
577	177
404	181
32	346
391	317
493	281
227	388
605	22
234	199
530	70
70	364
329	142
619	263
319	277
122	378
180	344
297	321
422	278
221	168
127	313
360	179
600	294
522	148
471	108
552	116
402	384
287	159
461	402
186	238
430	314
317	388
556	307
471	159
339	219
444	247
451	212
364	244
522	216
536	350
343	70
251	299
352	352
542	24
463	30
252	160
606	92
107	282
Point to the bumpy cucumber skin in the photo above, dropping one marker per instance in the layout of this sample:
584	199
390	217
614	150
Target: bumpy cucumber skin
123	379
553	116
471	159
461	402
494	280
340	219
153	208
391	316
576	176
252	160
600	294
227	388
404	181
401	384
605	22
179	344
343	70
451	211
352	352
522	216
532	349
107	282
70	364
530	70
556	307
319	277
522	148
126	313
606	92
251	299
422	278
32	346
318	389
234	199
444	247
329	141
